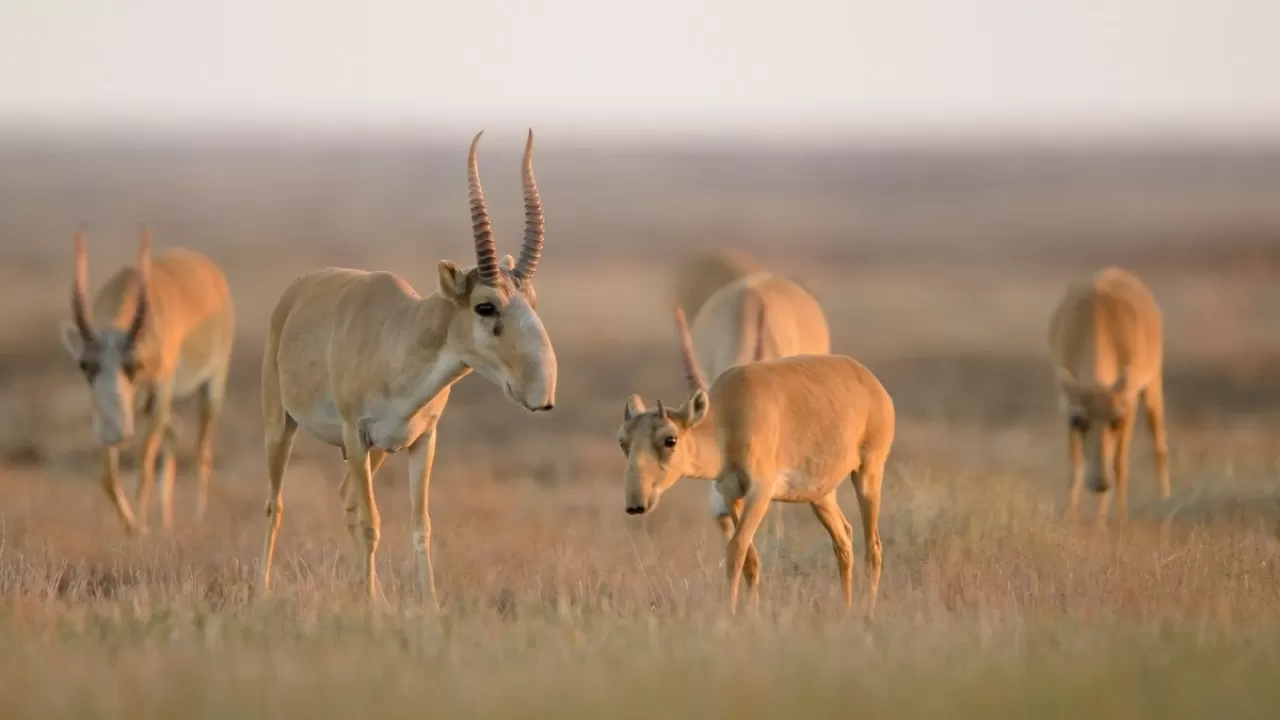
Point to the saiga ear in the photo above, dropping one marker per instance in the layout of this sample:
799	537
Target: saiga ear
695	408
71	339
453	281
634	407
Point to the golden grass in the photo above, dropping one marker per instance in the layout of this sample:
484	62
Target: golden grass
557	604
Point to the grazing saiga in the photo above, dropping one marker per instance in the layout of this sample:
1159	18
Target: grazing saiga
156	332
1107	345
363	363
787	430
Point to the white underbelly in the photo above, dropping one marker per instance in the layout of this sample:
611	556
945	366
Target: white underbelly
320	420
799	486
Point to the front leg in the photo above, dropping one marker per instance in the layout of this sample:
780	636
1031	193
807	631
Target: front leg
421	457
1075	449
358	467
111	485
149	450
1121	467
754	507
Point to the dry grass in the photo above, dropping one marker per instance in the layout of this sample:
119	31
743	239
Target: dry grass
557	604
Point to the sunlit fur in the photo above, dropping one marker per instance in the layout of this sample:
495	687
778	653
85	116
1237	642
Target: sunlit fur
790	430
706	272
185	329
727	331
1107	346
363	363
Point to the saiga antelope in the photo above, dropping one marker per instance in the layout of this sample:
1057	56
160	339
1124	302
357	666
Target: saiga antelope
786	430
365	364
1107	346
726	332
156	333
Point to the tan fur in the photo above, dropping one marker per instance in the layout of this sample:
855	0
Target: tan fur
364	363
1107	345
702	275
788	429
183	346
728	331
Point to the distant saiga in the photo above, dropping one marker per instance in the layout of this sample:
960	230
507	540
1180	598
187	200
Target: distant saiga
155	333
365	364
787	430
726	331
1107	346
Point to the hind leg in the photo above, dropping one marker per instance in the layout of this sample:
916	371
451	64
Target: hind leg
832	518
211	397
157	426
1153	402
866	483
166	474
279	440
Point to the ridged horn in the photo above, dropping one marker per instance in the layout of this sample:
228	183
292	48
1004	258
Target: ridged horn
486	251
534	229
144	286
80	290
693	373
662	410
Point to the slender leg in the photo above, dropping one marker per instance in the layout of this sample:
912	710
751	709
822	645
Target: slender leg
111	485
166	474
832	518
1153	401
750	566
157	424
1075	449
351	500
755	505
279	445
866	483
421	456
362	486
1122	467
211	398
727	514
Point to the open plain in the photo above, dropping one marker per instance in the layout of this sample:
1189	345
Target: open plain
937	269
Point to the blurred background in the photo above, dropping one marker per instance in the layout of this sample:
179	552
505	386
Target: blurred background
934	174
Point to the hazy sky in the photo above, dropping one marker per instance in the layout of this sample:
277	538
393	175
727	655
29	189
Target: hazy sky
859	64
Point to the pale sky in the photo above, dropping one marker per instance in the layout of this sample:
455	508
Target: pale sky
878	65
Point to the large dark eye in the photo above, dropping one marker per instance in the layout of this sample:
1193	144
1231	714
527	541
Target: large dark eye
89	367
670	442
486	310
130	369
625	449
1079	422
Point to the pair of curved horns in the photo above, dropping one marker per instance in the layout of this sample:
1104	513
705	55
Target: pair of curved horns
534	230
80	288
693	373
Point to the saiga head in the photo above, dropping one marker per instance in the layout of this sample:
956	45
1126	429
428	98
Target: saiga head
1096	413
499	334
109	357
657	443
